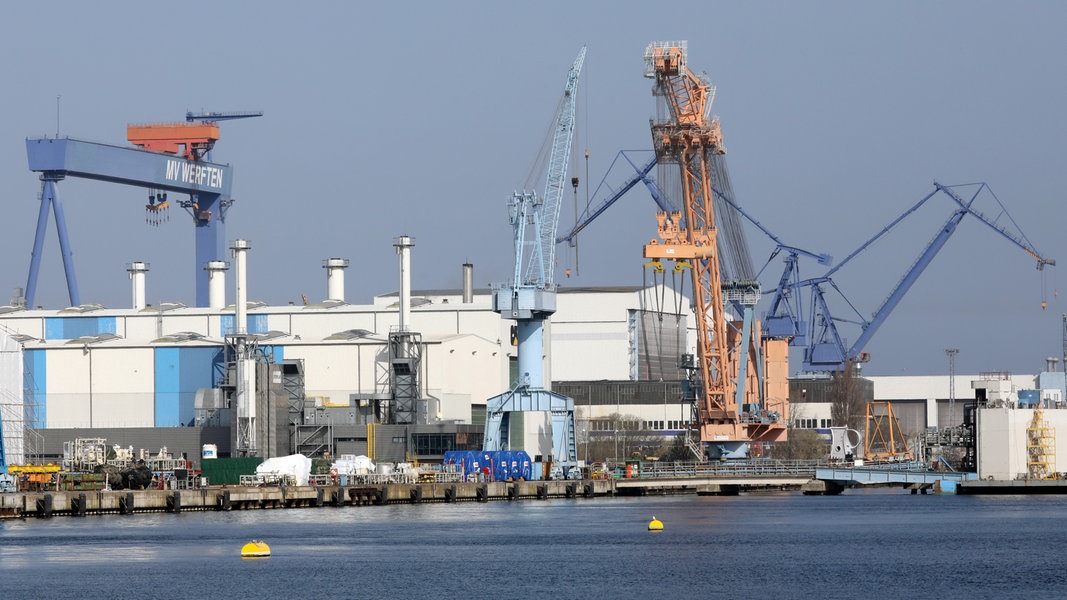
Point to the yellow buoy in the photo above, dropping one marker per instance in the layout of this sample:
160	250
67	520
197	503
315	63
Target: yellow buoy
255	549
655	525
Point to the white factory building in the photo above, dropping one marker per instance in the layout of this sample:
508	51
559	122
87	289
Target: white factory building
90	368
614	350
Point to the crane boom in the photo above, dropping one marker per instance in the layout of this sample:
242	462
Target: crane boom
221	116
542	260
825	348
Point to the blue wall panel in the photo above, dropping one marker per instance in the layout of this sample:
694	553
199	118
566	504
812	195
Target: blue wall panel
179	373
278	352
69	328
253	324
35	371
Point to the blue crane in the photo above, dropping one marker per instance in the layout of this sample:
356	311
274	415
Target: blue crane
641	175
826	350
786	300
208	185
530	297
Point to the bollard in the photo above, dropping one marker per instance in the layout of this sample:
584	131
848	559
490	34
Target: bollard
126	503
77	505
174	503
44	506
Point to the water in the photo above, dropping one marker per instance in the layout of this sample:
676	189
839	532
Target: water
864	544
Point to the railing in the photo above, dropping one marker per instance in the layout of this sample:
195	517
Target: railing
383	478
755	468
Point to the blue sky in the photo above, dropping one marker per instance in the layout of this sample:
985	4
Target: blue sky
421	118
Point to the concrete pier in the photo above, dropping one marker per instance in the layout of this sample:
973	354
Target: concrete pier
80	503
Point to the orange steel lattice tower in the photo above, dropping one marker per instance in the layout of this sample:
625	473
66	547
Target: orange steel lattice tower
690	138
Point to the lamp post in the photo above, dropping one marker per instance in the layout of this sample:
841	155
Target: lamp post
951	352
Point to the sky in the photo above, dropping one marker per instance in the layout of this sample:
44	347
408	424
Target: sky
421	118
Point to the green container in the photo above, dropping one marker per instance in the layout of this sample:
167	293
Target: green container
228	471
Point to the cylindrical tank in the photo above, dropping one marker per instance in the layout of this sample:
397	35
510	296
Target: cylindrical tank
209	451
468	283
216	283
335	278
137	272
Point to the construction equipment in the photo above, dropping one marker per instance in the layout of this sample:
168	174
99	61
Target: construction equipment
883	439
729	386
530	297
825	348
171	157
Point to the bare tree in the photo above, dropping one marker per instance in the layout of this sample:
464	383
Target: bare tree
802	444
848	402
625	437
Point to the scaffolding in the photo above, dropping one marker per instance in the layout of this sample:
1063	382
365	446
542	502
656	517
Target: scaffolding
1040	448
883	439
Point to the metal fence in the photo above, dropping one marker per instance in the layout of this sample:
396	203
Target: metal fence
756	468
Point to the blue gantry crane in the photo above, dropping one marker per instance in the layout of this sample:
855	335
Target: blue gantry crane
530	297
172	157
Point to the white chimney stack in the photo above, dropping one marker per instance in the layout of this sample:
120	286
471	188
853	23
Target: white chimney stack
137	272
468	283
216	283
403	246
335	278
240	250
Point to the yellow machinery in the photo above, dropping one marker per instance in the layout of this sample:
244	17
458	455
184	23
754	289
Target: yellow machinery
883	439
1040	448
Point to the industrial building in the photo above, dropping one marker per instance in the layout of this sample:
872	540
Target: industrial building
149	376
153	376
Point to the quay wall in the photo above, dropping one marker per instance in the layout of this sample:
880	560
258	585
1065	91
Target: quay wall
84	503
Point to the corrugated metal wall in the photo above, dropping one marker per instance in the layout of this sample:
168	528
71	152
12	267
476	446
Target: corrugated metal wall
69	328
120	392
661	341
253	323
179	372
35	374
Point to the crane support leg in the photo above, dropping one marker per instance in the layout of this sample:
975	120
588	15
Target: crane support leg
742	361
531	352
50	200
210	242
524	399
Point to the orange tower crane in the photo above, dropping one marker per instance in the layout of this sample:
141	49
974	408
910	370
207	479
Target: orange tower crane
727	420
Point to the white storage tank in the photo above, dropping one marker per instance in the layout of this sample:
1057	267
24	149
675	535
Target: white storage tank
209	451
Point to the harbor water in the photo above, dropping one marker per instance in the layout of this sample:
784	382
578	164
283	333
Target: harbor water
881	543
